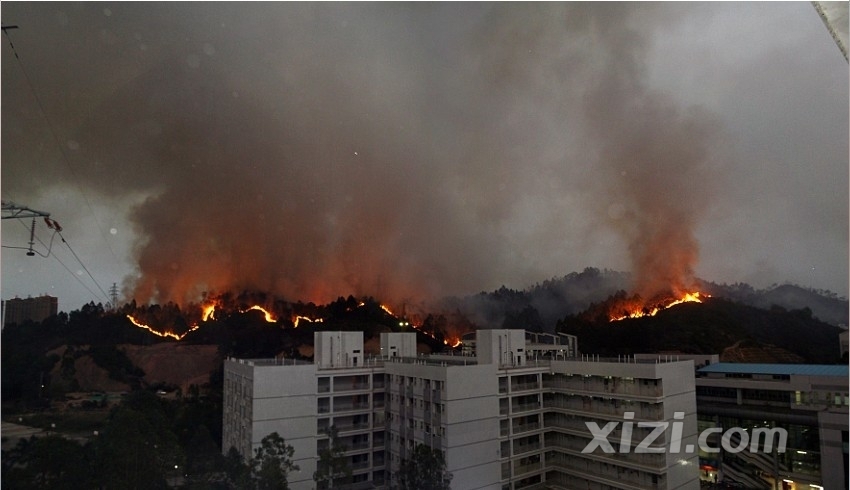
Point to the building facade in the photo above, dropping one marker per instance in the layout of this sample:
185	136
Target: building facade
19	310
809	402
508	417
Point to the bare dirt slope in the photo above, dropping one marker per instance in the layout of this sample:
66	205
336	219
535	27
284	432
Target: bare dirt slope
174	363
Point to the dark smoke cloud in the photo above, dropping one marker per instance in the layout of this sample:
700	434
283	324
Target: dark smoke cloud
655	164
402	151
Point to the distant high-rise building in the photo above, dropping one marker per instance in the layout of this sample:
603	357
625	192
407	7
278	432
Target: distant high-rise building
19	310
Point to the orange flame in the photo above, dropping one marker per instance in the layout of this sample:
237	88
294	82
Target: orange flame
695	297
298	319
269	317
387	310
453	342
161	334
208	312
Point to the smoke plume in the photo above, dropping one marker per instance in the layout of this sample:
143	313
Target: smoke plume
400	151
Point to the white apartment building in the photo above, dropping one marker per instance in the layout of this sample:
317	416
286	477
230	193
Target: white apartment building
504	419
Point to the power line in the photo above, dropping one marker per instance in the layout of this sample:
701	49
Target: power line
75	276
56	141
105	296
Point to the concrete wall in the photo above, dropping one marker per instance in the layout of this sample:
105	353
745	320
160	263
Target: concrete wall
398	344
338	349
285	402
502	347
832	457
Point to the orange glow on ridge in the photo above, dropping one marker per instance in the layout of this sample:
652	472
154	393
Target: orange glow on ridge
694	297
161	334
298	319
269	317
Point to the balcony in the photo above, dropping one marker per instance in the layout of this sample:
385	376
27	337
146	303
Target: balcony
348	407
355	445
595	384
350	383
574	445
526	448
521	469
526	407
528	427
341	429
524	386
598	406
577	425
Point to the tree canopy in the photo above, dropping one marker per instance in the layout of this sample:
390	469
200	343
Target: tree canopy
424	470
272	463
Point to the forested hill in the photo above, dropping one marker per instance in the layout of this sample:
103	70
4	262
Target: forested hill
542	305
717	326
825	305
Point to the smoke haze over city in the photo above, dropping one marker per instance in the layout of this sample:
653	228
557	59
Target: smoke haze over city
411	151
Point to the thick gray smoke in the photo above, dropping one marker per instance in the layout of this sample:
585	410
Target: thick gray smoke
317	150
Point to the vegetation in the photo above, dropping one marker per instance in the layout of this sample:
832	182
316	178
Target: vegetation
424	470
332	469
272	463
48	462
707	328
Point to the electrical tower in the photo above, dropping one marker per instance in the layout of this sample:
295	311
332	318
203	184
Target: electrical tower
12	210
113	295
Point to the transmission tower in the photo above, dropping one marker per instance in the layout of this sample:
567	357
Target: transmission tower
113	295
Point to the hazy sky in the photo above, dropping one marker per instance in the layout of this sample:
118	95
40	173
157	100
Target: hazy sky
419	150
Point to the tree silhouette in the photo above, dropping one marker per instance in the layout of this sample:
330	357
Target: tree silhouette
47	462
332	469
137	450
424	470
272	463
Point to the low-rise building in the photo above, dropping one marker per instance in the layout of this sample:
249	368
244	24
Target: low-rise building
516	415
809	402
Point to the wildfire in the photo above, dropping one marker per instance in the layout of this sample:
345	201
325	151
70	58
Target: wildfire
161	334
208	312
694	297
269	317
298	319
454	343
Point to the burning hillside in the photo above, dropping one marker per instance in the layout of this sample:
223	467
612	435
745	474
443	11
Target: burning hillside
173	323
621	306
637	308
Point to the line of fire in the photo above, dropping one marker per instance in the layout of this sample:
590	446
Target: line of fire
617	309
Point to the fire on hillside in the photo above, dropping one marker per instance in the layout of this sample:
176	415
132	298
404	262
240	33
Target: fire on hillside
635	307
209	311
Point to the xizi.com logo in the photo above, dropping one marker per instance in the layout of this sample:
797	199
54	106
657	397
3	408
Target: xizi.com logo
733	440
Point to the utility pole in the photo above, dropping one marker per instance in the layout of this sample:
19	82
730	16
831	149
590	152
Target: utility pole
12	210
